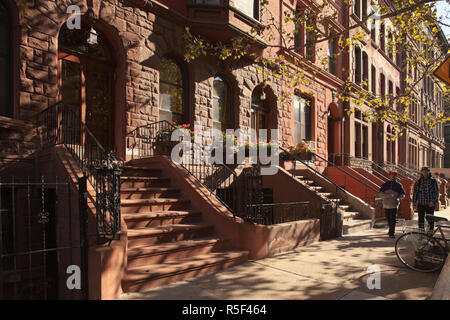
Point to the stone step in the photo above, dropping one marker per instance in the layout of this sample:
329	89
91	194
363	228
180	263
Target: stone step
356	225
136	171
173	251
151	205
143	278
344	207
144	182
171	233
325	194
148	193
160	218
350	215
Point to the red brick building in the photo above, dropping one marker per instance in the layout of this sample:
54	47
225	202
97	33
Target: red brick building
125	69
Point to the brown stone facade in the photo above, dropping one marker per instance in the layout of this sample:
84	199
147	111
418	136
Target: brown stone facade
139	36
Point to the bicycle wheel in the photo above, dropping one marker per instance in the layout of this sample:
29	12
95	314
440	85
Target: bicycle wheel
420	252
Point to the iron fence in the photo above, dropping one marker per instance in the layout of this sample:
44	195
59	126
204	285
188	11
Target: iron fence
275	213
39	239
60	124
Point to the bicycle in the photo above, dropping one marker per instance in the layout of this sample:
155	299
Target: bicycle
422	250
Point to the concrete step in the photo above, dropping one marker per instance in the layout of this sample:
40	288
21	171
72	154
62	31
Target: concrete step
173	251
325	194
356	225
344	207
151	205
348	215
144	182
148	193
143	278
160	218
137	171
171	233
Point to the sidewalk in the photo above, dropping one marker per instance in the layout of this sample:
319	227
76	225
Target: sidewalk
335	269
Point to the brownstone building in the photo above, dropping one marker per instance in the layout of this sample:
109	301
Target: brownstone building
68	94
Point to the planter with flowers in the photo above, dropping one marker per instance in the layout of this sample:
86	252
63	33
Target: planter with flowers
302	151
163	141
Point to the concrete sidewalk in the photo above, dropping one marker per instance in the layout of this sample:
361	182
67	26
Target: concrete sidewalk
335	269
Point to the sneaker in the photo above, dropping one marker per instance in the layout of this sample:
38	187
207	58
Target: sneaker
391	236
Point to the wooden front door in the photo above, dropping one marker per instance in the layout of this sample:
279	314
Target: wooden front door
86	87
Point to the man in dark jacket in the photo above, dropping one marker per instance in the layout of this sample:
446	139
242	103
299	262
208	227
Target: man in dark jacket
392	193
426	195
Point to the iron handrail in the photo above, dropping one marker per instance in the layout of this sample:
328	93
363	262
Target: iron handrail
406	173
61	125
346	173
296	158
194	172
373	163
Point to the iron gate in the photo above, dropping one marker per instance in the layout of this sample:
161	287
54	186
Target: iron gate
43	239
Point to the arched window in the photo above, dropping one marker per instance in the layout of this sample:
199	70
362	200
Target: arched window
5	63
172	92
222	105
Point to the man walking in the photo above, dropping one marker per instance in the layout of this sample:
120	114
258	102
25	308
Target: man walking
392	193
426	195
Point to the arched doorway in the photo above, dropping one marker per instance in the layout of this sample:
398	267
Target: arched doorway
263	114
86	78
334	127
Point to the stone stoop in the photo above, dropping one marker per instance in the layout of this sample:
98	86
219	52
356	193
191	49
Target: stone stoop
352	219
167	239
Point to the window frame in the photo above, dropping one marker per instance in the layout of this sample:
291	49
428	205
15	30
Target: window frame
308	128
229	102
184	87
9	76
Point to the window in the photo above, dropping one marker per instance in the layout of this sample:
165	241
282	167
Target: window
309	40
382	86
302	118
391	91
365	71
249	7
357	65
364	8
260	111
357	8
332	56
382	37
390	46
222	110
299	38
172	96
5	63
373	31
374	80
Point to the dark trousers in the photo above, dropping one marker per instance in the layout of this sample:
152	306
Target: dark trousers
391	217
423	210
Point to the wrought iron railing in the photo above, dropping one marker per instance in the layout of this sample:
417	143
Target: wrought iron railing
274	213
346	159
155	139
370	199
60	124
402	171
